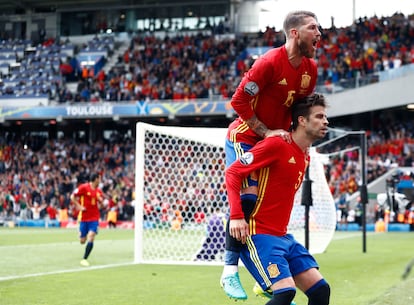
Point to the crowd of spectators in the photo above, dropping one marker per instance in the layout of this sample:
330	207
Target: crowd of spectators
37	180
37	177
189	67
174	68
390	145
369	45
200	65
207	66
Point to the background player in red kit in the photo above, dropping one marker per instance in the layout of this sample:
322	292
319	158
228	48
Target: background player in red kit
263	101
88	198
274	258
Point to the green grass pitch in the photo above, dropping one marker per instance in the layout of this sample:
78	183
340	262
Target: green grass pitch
41	266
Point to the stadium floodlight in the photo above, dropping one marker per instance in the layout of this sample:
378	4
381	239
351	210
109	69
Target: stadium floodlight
180	183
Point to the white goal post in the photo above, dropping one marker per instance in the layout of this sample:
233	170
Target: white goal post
181	202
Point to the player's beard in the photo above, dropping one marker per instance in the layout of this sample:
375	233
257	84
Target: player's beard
305	50
315	134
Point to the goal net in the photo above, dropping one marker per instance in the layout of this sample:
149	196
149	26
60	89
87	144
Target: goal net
181	202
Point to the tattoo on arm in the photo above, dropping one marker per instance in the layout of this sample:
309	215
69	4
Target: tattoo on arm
257	126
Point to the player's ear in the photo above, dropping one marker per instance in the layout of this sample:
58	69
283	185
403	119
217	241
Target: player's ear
301	120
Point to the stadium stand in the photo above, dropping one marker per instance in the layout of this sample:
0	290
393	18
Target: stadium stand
179	67
212	67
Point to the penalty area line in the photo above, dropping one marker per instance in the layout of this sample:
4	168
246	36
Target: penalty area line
79	269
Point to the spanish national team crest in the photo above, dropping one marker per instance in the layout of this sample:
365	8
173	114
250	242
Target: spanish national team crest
273	270
305	82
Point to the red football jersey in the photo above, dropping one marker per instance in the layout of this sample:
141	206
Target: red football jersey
89	198
282	168
268	90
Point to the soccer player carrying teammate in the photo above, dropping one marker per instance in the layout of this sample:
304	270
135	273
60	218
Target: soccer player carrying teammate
273	257
88	198
263	101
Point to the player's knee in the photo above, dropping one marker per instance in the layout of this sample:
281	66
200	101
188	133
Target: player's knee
82	240
319	294
282	297
90	236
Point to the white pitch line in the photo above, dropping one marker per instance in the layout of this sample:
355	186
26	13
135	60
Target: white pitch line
346	235
59	244
80	269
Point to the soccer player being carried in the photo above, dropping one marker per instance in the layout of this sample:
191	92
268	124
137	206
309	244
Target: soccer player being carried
88	198
263	102
274	258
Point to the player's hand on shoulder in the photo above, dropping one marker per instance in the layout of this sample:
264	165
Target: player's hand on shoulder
279	133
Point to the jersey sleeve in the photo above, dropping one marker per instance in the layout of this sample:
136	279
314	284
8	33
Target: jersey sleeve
79	190
253	81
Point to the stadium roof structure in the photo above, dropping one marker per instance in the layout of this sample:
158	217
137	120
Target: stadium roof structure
8	6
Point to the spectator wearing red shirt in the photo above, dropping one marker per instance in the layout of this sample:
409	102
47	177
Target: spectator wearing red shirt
51	212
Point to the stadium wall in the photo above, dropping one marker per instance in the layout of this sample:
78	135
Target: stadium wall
385	94
34	22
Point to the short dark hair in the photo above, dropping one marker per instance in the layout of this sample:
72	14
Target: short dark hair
302	107
93	176
295	19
